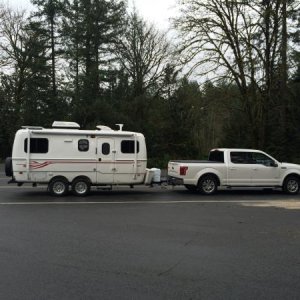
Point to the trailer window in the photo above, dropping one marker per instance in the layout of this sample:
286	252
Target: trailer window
127	146
83	145
37	145
105	148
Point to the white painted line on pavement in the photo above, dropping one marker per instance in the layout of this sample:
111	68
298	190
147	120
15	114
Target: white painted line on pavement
9	187
279	204
291	203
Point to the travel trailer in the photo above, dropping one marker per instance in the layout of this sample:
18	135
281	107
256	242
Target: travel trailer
65	156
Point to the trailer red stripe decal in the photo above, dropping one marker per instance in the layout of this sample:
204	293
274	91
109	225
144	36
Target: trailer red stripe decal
36	165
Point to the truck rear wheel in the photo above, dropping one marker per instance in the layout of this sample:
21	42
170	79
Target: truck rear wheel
81	187
58	187
291	185
207	185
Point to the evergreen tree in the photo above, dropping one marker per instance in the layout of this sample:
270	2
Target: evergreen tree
90	29
47	15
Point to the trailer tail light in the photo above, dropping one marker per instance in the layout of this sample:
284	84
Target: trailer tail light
183	170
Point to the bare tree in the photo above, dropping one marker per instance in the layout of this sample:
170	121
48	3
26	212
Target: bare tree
11	30
239	42
12	53
143	52
26	74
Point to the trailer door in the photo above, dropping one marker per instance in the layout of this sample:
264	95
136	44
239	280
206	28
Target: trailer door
106	161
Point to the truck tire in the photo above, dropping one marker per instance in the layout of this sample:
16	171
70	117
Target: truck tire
58	187
8	167
291	185
81	187
208	185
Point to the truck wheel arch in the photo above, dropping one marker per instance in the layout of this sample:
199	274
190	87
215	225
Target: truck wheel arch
212	175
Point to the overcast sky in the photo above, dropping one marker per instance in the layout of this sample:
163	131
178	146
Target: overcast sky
156	11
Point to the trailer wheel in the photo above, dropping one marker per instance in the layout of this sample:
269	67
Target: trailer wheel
81	187
208	184
58	187
291	185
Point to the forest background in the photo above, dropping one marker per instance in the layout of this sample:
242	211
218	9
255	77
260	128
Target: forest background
228	75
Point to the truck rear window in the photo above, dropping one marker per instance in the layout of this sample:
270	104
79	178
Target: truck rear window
216	156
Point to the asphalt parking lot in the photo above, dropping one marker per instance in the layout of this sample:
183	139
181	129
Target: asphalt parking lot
148	243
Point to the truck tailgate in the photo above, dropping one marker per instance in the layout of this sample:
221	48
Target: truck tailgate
182	168
174	169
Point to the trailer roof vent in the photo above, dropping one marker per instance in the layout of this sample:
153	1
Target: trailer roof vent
63	124
102	127
120	126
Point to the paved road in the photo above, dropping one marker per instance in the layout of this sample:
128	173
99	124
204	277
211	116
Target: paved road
148	243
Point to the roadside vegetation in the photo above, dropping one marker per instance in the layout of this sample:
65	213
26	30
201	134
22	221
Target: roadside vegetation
227	76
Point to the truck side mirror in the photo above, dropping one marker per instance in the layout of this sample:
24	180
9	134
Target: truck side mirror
274	164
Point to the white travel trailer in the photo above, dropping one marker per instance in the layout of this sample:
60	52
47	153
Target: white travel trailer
66	156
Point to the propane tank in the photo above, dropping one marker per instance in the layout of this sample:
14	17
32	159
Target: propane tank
156	175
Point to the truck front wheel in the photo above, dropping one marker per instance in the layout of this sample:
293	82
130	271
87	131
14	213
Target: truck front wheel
207	185
291	185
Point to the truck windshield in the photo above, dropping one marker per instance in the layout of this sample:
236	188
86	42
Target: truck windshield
216	156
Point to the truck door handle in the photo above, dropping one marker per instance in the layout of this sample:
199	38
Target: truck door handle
233	169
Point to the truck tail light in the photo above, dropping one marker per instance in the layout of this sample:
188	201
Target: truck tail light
183	170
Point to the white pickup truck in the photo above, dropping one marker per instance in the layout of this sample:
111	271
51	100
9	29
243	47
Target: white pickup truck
235	168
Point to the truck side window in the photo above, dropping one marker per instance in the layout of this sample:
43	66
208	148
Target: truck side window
37	145
83	145
216	156
241	158
127	146
260	158
105	148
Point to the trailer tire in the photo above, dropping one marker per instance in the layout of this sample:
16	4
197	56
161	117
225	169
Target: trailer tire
58	187
208	184
81	186
8	167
